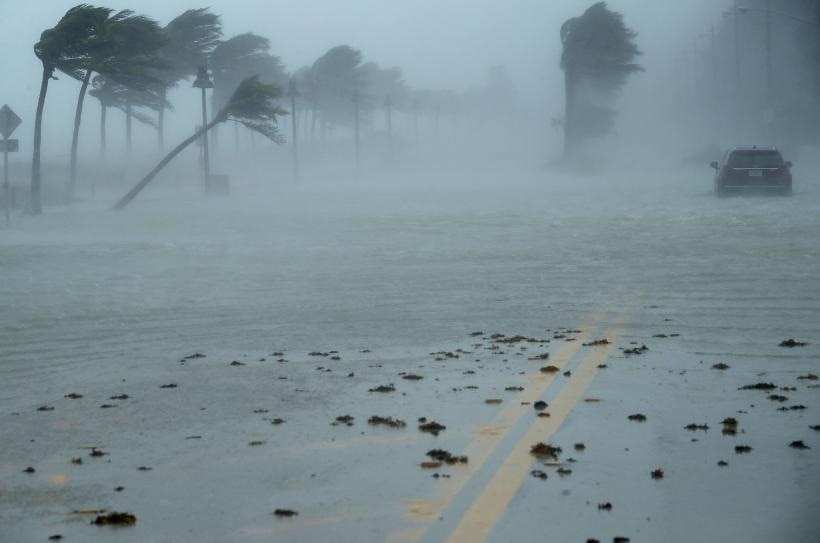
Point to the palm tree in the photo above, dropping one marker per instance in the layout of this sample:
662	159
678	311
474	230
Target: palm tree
337	78
253	105
598	57
121	46
190	39
60	48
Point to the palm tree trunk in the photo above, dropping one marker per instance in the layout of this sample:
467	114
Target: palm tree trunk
164	162
128	129
36	204
103	118
75	139
161	120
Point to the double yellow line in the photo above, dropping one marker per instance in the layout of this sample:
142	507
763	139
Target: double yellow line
485	511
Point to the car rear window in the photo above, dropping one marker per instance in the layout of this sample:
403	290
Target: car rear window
755	159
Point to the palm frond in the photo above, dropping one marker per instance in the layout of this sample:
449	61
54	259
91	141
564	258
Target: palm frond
254	105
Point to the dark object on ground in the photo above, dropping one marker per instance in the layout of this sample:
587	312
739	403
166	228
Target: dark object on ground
620	539
543	415
542	450
73	396
542	356
237	363
344	419
386	421
637	350
777	398
792	408
256	443
799	445
759	386
638	417
493	401
792	343
580	447
549	369
169	385
119	488
606	506
120	397
45	408
55	537
694	427
476	334
563	472
115	519
538	474
445	456
95	452
597	342
816	427
540	405
144	468
383	388
108	406
723	463
657	474
514	389
808	377
743	449
77	460
277	422
412	377
285	513
29	470
432	427
194	356
720	366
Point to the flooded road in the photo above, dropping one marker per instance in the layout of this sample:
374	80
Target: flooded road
307	301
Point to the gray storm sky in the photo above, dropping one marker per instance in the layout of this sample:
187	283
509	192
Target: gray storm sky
438	43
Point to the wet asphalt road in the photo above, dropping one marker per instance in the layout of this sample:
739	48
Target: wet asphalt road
392	280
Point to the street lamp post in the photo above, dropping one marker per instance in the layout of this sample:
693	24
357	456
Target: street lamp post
203	81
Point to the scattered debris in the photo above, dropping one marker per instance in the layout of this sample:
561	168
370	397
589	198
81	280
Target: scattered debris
285	513
592	400
808	377
759	386
657	473
798	445
432	427
73	396
108	406
637	417
55	537
514	389
120	397
549	369
493	401
115	519
636	350
97	453
119	488
256	443
237	363
430	465
722	463
543	415
606	506
792	343
542	450
412	377
816	427
542	356
277	422
144	468
660	336
597	342
695	427
540	405
743	449
538	474
445	456
344	419
386	421
29	470
383	388
777	398
78	460
194	356
580	447
720	366
792	408
563	472
620	539
169	385
45	408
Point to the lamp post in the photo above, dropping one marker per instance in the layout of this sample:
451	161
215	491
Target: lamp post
293	92
203	81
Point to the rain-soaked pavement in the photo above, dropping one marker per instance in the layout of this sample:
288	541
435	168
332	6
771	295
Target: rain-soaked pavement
203	365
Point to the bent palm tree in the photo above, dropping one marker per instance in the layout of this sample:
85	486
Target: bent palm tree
60	48
253	104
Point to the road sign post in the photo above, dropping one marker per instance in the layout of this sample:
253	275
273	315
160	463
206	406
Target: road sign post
9	121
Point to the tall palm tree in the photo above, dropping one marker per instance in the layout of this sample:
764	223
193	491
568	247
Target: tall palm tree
60	48
122	45
253	104
190	39
598	57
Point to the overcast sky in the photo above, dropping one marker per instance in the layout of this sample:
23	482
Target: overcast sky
438	43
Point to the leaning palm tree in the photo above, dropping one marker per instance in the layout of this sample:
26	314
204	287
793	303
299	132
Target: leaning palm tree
122	46
190	38
60	48
253	105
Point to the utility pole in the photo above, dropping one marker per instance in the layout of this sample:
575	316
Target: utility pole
714	55
738	88
388	106
356	100
293	93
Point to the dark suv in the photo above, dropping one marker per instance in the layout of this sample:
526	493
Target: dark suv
752	169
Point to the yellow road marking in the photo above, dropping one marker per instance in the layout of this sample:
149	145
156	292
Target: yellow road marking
477	523
486	438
